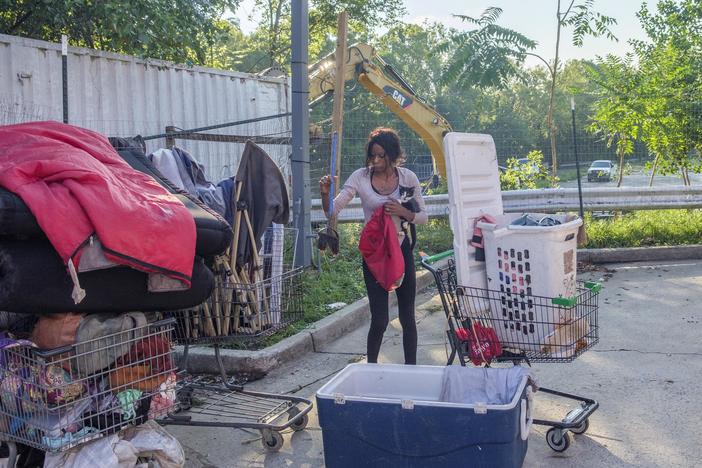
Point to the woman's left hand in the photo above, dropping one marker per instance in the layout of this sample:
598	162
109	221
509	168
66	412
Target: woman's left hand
394	208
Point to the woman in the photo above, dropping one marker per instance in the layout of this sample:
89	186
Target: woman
383	182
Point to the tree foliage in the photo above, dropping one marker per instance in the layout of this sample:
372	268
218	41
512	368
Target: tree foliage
273	32
484	57
613	119
528	175
177	30
656	95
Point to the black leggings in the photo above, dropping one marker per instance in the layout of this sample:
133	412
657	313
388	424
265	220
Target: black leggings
378	300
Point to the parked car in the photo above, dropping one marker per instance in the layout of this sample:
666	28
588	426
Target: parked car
600	170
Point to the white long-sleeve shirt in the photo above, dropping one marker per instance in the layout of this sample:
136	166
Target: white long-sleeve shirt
359	183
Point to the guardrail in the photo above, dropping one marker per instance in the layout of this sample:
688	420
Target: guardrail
555	200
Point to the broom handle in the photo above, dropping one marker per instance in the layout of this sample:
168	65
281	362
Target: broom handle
258	278
229	292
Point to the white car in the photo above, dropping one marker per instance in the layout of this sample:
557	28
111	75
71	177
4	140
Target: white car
602	169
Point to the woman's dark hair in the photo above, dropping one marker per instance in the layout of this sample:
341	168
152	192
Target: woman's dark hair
389	140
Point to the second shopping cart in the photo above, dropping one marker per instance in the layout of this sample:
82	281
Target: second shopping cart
540	329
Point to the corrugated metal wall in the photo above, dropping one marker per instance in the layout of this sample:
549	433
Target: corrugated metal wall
120	95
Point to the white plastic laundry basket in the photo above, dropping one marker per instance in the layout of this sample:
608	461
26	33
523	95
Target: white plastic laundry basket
530	261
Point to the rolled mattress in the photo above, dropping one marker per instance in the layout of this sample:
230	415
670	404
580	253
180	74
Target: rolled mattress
34	280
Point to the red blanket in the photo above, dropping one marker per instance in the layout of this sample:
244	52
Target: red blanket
76	185
381	250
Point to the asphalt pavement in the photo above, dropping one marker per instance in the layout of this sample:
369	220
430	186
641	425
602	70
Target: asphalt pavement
637	178
645	373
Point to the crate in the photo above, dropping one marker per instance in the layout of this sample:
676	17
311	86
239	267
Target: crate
392	415
55	399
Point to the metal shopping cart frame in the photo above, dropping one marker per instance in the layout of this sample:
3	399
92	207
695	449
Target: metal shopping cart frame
242	311
464	306
29	402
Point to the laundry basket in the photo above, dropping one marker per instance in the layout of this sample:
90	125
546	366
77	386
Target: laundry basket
526	261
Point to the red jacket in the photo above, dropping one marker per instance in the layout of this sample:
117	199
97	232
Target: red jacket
76	185
381	250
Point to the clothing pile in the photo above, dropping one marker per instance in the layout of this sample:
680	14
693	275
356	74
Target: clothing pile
90	232
85	227
81	377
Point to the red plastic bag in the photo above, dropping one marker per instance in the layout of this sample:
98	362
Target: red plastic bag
481	341
381	250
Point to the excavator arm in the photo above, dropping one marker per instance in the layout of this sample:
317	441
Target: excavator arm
364	65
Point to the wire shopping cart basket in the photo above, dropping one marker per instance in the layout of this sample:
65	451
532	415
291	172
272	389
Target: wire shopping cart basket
56	399
491	326
244	307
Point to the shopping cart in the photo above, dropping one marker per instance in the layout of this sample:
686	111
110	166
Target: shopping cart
56	399
496	326
242	310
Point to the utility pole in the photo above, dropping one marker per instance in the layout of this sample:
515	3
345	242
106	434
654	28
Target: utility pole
300	132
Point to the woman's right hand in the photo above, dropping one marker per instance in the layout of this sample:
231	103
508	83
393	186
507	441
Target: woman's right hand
325	184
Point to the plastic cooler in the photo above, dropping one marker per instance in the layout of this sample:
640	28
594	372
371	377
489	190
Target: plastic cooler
388	415
530	261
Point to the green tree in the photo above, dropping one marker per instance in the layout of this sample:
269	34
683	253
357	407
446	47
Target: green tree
273	32
670	65
484	57
585	22
614	120
177	30
529	175
663	92
409	48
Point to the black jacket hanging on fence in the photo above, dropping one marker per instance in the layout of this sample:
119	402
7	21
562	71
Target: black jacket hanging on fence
264	195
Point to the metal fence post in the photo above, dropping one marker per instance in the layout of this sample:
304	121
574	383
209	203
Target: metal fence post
300	130
64	75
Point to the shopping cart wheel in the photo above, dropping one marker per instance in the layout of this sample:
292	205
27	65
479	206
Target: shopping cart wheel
581	428
185	399
558	440
301	423
271	440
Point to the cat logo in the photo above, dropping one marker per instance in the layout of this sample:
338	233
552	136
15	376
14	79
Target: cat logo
398	96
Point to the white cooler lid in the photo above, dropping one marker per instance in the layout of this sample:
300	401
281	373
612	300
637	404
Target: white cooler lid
474	190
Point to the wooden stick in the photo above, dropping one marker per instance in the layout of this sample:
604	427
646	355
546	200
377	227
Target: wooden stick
252	302
209	325
258	278
229	292
187	316
338	107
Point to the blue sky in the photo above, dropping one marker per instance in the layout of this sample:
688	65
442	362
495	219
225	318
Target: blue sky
534	18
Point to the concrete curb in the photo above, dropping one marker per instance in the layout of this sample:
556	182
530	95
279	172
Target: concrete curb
640	254
259	363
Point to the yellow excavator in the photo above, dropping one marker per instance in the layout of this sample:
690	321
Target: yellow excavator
368	68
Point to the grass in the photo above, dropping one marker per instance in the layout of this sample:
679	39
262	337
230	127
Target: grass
645	229
341	278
